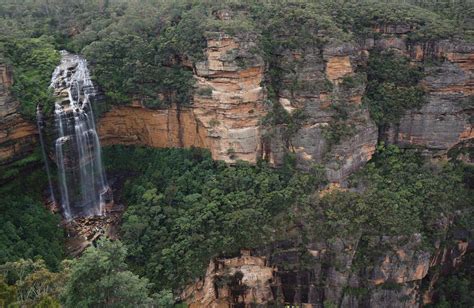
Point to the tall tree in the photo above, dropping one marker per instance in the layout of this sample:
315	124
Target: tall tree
100	279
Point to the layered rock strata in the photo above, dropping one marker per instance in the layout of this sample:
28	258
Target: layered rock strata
244	281
225	114
228	105
446	119
18	137
321	95
320	274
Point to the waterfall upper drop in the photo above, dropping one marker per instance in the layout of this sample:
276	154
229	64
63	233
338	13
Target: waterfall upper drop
81	178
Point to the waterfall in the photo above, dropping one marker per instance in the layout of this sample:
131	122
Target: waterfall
40	125
81	179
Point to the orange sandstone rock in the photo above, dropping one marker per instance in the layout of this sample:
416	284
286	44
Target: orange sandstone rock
17	136
338	67
225	121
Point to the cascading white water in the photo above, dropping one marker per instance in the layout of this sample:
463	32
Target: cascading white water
40	124
82	182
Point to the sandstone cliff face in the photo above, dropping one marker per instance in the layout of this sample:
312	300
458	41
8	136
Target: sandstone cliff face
319	74
228	107
243	280
17	136
390	274
229	104
135	125
446	118
225	114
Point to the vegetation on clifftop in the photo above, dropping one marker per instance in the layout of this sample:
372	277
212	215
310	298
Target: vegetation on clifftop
33	61
183	208
144	51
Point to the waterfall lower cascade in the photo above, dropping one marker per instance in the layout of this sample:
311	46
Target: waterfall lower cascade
81	178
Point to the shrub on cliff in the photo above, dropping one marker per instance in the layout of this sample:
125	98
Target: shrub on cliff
393	87
33	61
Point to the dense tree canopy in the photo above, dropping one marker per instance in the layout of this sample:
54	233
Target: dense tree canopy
142	50
184	208
31	283
28	230
99	278
398	194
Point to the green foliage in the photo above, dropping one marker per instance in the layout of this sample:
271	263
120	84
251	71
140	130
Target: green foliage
362	17
139	55
289	123
353	81
7	293
48	302
336	131
398	194
459	11
165	299
207	92
406	195
457	290
99	278
294	25
9	171
31	283
341	125
141	50
393	87
33	61
344	213
28	230
184	208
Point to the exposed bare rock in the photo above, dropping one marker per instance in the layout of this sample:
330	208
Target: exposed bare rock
17	136
446	118
84	231
157	128
243	280
232	111
228	107
228	104
319	75
324	273
225	114
401	263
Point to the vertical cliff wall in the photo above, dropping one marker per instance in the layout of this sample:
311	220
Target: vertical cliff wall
446	118
326	273
313	83
225	113
325	85
228	107
17	136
